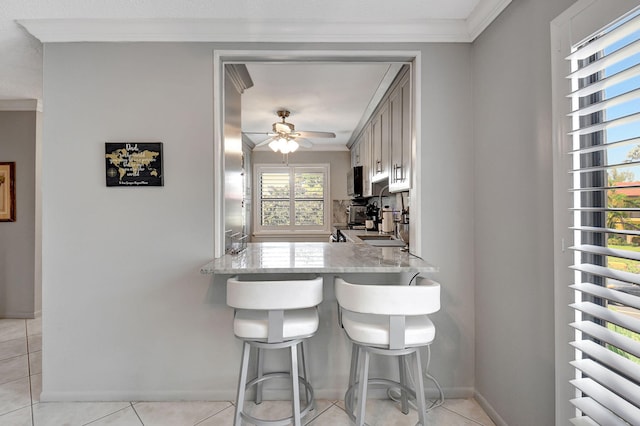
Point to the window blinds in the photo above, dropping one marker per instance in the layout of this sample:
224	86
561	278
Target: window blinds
292	197
605	118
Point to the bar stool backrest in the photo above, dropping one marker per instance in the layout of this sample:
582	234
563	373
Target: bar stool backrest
274	295
392	299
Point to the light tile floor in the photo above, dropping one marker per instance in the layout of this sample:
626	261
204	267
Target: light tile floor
21	383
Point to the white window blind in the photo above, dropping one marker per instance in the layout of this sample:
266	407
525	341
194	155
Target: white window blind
292	198
605	117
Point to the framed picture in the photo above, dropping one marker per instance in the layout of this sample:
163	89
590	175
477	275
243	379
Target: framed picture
133	164
7	191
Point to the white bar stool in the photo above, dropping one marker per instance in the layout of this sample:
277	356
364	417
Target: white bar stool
274	315
386	320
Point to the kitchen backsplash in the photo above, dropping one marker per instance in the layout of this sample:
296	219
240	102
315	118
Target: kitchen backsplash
340	211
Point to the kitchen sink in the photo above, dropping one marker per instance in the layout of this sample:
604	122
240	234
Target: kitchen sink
386	243
366	237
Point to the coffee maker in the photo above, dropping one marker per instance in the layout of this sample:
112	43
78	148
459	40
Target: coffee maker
371	222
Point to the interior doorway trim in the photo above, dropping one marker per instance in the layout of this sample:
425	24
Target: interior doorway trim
222	57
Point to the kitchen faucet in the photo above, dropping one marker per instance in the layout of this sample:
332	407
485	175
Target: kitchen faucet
380	202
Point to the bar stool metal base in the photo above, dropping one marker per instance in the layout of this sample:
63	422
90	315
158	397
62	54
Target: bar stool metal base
359	382
298	412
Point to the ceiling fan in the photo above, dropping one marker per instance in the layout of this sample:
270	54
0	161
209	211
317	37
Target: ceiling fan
286	139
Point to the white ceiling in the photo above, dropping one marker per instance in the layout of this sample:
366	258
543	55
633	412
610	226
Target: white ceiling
328	98
320	97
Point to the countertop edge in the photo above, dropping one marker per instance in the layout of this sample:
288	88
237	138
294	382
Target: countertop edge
319	258
381	269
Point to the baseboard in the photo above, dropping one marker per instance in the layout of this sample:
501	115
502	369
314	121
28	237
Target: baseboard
227	395
136	395
453	393
21	105
493	414
18	315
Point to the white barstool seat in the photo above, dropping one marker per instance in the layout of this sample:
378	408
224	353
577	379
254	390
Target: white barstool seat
386	320
274	315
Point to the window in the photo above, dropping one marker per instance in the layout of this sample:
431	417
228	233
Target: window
605	116
292	198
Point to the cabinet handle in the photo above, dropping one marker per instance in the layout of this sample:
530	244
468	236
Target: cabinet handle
397	168
378	166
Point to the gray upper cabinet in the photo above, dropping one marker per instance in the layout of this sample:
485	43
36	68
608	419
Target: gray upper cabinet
355	153
385	145
361	156
400	104
380	144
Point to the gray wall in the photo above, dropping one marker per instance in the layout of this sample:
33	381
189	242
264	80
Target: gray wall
123	295
19	287
514	363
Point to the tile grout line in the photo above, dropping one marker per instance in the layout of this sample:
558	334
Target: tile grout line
105	416
136	413
13	411
26	335
462	415
215	414
317	416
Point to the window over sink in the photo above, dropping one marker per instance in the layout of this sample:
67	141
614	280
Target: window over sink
291	198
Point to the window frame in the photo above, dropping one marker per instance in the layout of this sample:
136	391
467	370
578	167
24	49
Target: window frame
261	230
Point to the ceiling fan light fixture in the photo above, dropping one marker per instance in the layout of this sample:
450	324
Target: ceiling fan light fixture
286	139
275	145
283	145
292	145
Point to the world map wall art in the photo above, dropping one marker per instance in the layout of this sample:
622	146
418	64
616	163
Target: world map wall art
134	164
7	191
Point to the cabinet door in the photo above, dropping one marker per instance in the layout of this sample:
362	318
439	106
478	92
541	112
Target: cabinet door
396	136
407	133
400	178
365	155
385	128
381	138
376	146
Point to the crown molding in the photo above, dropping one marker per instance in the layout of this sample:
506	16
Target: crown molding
239	76
304	30
244	30
483	15
20	105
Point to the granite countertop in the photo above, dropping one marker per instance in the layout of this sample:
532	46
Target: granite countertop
317	258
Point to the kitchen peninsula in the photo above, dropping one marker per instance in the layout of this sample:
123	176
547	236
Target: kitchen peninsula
329	349
315	257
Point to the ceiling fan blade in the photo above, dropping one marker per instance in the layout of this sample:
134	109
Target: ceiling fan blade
264	142
260	133
304	143
310	134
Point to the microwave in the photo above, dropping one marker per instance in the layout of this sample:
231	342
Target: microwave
355	182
